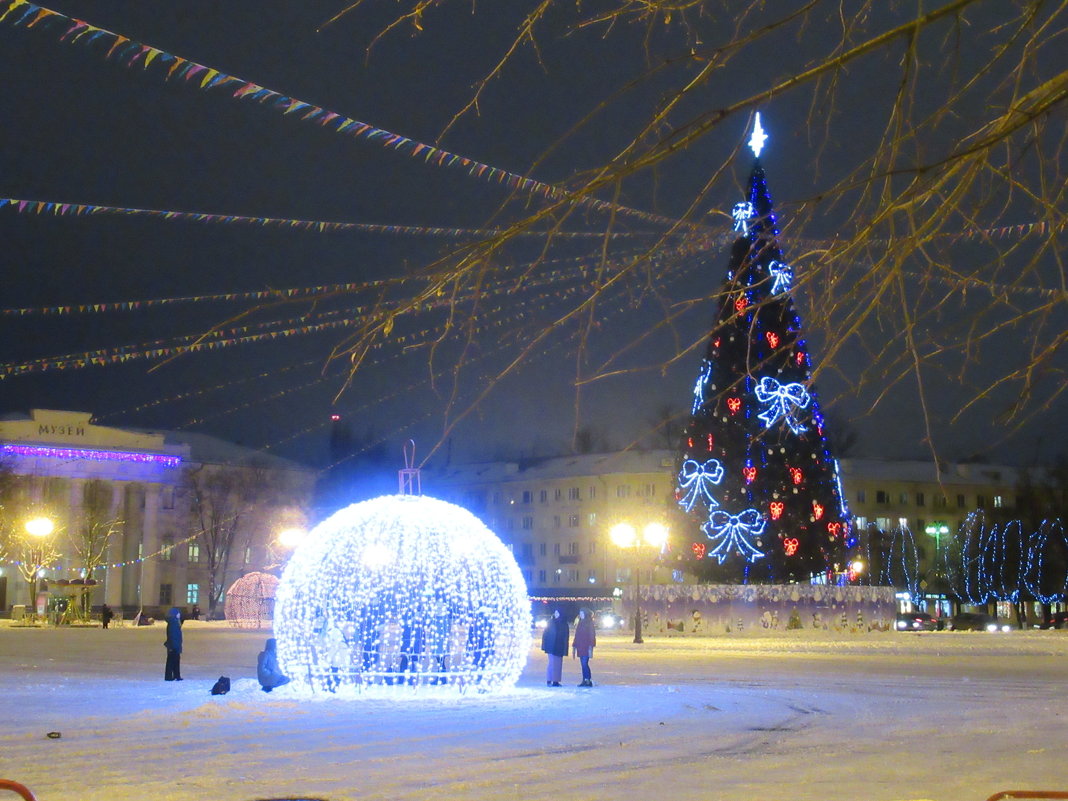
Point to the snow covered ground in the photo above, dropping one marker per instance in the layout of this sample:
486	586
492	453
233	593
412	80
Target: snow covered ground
945	716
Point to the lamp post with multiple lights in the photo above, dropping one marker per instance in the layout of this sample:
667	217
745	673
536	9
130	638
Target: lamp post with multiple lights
625	537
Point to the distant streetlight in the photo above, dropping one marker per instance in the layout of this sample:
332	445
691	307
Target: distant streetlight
291	537
625	537
39	527
936	530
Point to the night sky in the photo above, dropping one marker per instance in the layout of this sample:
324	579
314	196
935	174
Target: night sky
80	128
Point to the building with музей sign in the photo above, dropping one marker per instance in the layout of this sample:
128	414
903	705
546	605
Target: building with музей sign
137	519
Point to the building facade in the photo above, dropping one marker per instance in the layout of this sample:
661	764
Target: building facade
159	517
555	514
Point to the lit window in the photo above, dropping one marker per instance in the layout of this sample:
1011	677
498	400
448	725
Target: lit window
591	519
903	522
192	594
194	553
862	522
998	502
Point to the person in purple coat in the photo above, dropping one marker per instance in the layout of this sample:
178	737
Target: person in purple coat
554	642
582	645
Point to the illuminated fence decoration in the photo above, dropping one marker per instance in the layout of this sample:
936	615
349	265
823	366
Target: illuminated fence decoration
89	454
250	601
754	609
398	594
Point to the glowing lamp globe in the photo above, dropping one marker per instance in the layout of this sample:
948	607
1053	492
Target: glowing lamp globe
399	593
250	601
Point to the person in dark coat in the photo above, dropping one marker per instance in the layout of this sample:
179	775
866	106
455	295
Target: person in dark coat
582	645
173	643
105	615
554	642
267	670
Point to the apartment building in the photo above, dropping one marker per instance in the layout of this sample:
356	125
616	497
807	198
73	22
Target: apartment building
556	513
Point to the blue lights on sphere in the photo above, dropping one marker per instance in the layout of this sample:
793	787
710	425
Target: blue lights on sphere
402	592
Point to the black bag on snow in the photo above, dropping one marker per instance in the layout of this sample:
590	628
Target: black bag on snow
222	686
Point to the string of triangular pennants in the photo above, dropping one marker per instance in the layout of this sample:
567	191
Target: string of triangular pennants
62	209
130	53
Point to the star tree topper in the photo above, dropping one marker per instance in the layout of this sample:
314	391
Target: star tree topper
757	140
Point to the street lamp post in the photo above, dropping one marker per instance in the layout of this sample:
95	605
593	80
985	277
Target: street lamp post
38	529
625	537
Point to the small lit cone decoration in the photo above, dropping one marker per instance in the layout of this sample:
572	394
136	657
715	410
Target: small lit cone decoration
250	601
399	593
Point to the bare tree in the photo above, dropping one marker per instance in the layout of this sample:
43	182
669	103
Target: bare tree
222	499
89	538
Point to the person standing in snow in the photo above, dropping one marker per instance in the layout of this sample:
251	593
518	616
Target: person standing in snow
554	642
105	615
334	652
173	643
267	670
582	645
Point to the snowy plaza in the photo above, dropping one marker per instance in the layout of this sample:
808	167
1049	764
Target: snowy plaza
949	716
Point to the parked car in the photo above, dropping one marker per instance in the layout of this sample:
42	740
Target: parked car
977	621
915	621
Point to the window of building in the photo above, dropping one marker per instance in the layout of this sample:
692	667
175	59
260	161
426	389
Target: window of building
919	499
591	519
541	576
543	496
903	522
528	522
572	575
593	547
556	549
248	554
511	524
573	494
526	550
960	501
166	594
882	496
861	496
528	577
558	494
556	576
921	524
572	521
649	490
166	552
528	496
622	575
542	549
903	499
192	594
591	576
572	548
882	523
623	491
166	498
556	521
940	501
593	493
862	522
497	497
194	553
980	501
999	502
678	576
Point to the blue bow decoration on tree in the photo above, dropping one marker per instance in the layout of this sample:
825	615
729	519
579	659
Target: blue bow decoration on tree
732	533
783	400
782	275
697	480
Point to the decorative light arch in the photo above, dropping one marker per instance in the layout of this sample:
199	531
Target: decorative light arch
250	601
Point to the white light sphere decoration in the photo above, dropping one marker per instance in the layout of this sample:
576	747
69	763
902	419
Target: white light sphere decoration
249	602
400	592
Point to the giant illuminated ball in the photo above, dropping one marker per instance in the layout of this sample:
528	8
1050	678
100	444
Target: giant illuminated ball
399	593
250	601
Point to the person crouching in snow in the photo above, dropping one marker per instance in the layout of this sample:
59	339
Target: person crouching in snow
554	642
582	645
173	669
267	670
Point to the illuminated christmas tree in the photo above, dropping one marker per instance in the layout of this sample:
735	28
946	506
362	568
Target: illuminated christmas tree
757	470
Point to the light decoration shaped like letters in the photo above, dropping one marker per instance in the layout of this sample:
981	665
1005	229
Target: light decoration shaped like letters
250	601
400	593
